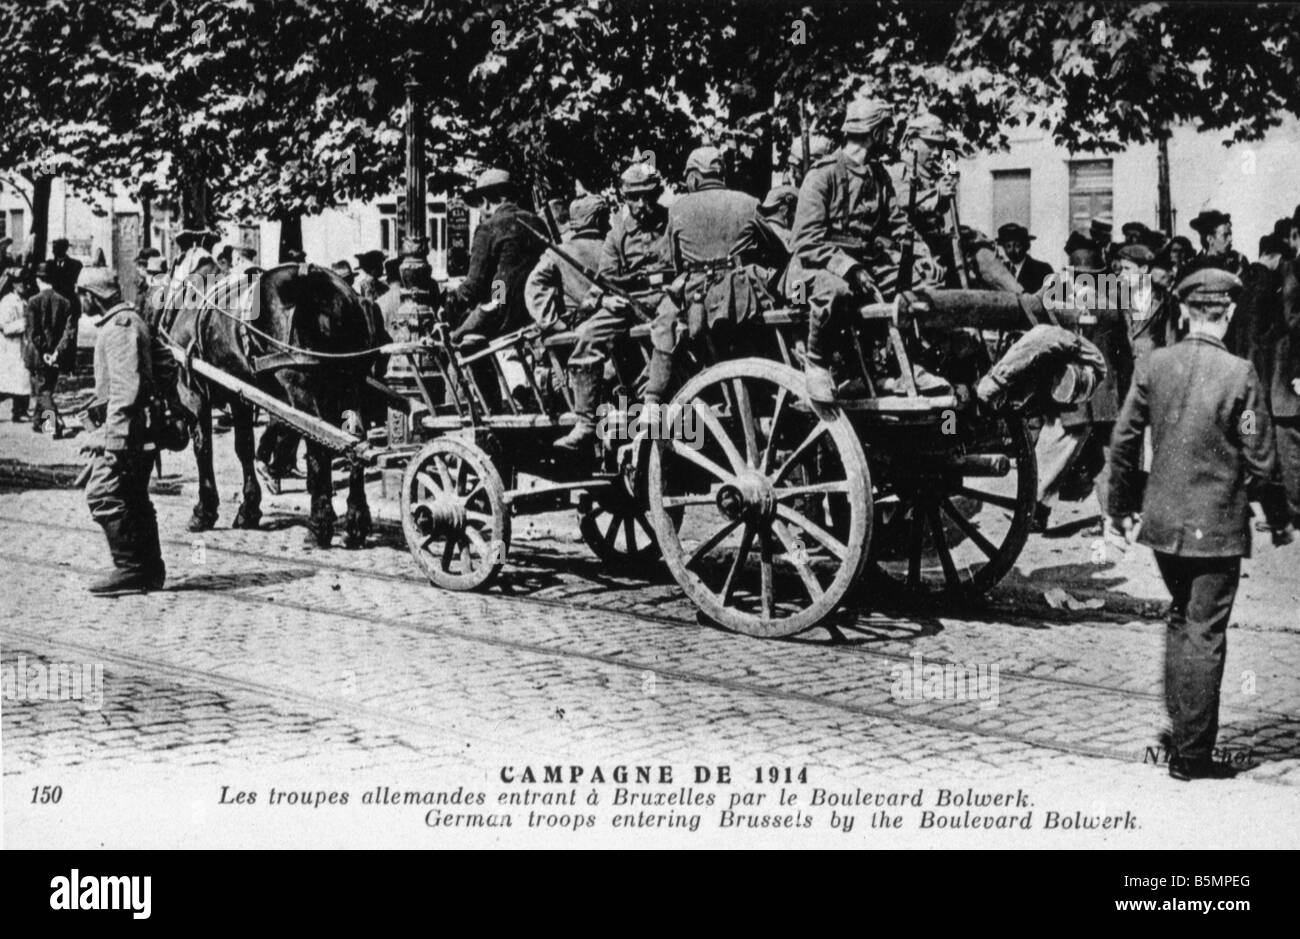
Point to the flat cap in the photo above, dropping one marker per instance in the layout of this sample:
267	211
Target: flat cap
640	177
707	161
1137	253
491	178
1134	228
1209	220
587	212
864	115
1208	286
1014	231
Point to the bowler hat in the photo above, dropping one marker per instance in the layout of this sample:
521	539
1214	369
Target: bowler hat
1209	220
1013	231
1134	228
1078	241
372	261
59	243
1272	244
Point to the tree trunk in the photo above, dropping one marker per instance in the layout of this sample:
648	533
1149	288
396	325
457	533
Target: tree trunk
196	203
40	230
290	236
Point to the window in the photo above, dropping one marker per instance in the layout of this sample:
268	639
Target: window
1092	192
1010	197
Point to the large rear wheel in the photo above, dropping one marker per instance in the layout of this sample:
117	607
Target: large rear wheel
761	505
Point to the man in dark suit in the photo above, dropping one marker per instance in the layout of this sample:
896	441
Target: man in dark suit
1213	450
1029	272
49	342
1281	350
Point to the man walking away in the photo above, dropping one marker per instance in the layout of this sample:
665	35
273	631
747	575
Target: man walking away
1212	450
50	340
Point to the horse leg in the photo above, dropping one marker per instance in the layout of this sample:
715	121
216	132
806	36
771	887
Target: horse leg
357	523
205	510
250	509
320	484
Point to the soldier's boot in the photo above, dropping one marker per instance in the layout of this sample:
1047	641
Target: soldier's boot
133	574
820	383
151	549
585	380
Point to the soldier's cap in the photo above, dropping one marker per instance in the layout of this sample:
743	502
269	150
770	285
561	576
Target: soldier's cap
1208	286
818	146
1101	225
928	127
587	213
371	261
489	181
1137	253
156	264
58	243
1135	228
778	196
640	177
1078	241
1013	232
863	115
1209	220
1272	244
344	270
707	161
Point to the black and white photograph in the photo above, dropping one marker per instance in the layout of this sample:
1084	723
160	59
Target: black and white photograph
650	424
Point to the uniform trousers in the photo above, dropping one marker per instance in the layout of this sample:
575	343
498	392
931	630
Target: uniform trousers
1203	591
118	496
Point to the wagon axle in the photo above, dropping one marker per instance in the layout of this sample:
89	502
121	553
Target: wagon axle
750	498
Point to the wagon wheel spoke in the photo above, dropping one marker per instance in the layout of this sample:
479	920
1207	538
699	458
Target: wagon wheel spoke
970	531
702	461
1004	502
745	412
462	476
611	533
720	433
829	541
440	463
915	542
711	542
629	533
941	545
790	492
645	528
477	490
765	588
798	451
778	411
886	533
476	539
483	518
428	484
737	563
449	553
799	560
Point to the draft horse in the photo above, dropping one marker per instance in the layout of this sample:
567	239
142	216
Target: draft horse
298	332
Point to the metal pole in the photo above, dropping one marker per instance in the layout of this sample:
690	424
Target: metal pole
1164	201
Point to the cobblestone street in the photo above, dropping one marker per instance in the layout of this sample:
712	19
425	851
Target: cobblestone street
264	656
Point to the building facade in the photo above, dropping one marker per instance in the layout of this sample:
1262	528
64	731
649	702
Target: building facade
1053	192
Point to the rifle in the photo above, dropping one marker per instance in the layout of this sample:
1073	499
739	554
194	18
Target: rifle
958	257
592	277
548	216
909	248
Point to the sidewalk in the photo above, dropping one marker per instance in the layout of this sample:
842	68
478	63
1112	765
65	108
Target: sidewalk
1071	558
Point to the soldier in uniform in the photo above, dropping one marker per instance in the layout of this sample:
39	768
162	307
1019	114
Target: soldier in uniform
131	367
637	257
1213	451
554	289
503	253
767	237
704	226
49	345
818	146
847	228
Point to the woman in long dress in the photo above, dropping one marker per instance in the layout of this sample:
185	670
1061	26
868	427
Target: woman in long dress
15	383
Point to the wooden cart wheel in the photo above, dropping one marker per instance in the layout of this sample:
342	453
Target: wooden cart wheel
617	528
775	499
454	514
955	533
